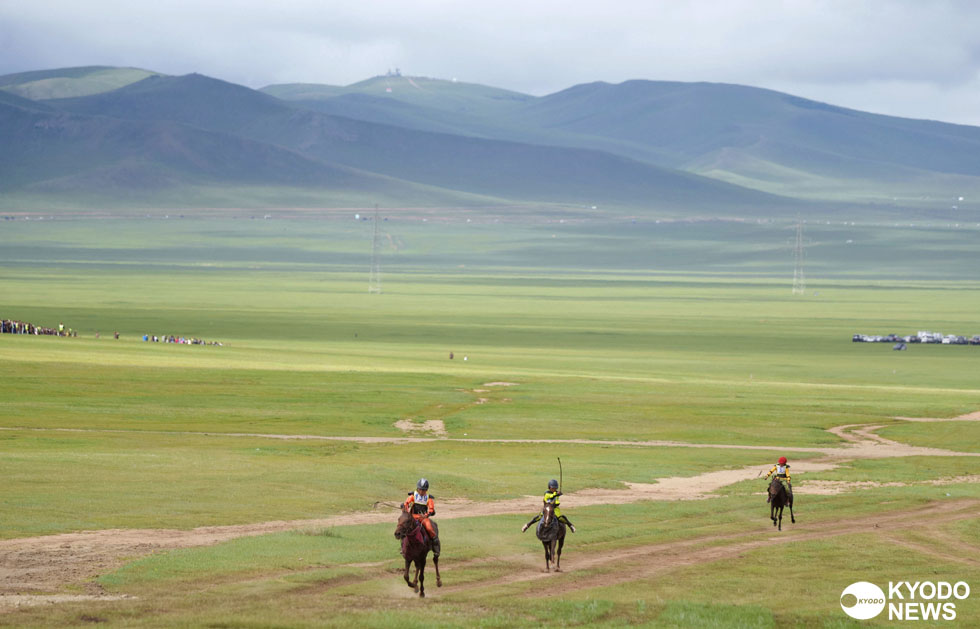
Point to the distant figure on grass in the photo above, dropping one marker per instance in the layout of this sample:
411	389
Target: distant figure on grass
422	507
450	355
552	496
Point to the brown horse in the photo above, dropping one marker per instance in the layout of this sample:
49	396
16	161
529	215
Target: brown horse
778	499
415	548
551	532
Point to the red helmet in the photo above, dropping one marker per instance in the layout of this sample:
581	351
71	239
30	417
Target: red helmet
782	460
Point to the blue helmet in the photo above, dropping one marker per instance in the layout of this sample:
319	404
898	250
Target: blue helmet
552	484
422	485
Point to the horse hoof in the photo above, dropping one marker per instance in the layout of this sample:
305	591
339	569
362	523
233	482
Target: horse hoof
438	583
421	594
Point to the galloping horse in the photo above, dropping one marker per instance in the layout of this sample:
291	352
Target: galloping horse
779	498
415	548
551	532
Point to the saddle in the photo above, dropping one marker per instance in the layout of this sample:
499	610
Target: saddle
553	531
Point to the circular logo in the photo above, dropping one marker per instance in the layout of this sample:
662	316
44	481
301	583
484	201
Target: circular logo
862	600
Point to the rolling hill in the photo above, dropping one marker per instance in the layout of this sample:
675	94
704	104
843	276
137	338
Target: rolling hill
681	148
754	137
464	164
68	82
76	159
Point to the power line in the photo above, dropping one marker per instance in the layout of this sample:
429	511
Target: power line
374	281
799	281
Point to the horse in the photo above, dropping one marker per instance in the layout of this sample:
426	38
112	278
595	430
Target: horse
551	532
778	499
415	548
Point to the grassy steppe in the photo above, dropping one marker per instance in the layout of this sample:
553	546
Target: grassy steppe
700	340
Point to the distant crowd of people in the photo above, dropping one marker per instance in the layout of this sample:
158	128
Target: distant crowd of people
152	338
9	326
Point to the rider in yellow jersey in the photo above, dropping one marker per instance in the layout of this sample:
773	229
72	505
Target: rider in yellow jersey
781	470
553	495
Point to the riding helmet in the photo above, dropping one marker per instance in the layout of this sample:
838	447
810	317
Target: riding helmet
423	484
782	460
552	484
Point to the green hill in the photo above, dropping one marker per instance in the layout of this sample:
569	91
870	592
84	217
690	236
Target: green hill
749	134
69	82
438	94
680	148
75	159
510	170
753	137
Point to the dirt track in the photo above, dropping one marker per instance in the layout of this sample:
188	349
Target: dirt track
39	565
646	561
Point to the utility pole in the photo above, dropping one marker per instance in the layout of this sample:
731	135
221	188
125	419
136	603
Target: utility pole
799	282
374	282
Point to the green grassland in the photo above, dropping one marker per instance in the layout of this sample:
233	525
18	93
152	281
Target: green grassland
610	331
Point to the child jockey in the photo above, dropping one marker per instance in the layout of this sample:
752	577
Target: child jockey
420	504
553	495
781	470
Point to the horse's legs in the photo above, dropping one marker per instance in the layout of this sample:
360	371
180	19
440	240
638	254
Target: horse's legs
547	556
561	542
408	562
791	516
421	567
772	513
435	561
780	517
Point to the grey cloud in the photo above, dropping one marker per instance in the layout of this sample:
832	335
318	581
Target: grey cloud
834	49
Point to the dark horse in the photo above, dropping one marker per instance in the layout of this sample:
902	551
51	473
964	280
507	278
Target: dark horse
415	548
551	532
778	499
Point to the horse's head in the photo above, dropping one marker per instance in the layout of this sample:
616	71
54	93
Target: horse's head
405	524
775	487
547	514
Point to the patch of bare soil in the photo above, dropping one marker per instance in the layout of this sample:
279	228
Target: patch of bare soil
16	601
864	443
833	487
430	426
969	417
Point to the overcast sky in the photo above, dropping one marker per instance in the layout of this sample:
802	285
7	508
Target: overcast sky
914	58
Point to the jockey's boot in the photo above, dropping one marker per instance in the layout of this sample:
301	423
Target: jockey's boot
564	519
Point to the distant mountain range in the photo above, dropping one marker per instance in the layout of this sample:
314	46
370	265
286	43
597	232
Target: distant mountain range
102	136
